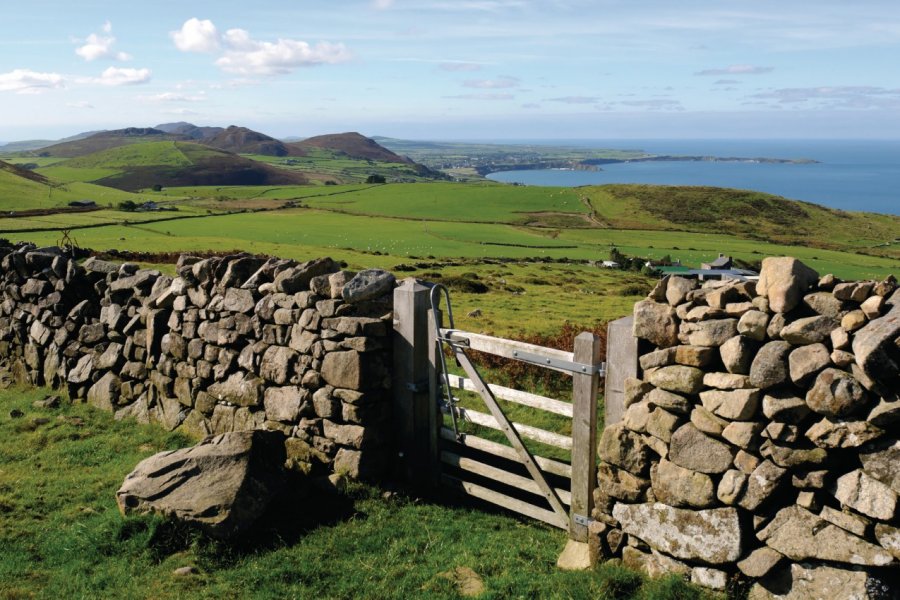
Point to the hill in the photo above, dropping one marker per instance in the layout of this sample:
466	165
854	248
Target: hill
24	190
190	130
354	145
169	163
743	213
241	140
17	171
31	145
106	140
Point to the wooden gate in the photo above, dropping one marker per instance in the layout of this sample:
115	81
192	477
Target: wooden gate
508	474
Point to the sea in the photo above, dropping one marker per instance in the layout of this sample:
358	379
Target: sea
860	175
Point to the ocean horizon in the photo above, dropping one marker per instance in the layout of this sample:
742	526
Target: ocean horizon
859	175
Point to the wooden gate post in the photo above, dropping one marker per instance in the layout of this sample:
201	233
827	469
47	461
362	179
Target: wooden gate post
621	363
584	434
410	381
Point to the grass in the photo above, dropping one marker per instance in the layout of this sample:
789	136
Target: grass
62	536
323	164
19	193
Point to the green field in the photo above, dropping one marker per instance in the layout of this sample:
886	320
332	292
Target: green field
322	164
18	193
459	226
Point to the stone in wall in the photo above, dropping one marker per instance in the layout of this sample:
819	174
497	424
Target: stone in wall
791	424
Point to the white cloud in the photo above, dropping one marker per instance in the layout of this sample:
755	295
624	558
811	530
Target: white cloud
736	70
481	97
101	46
25	81
382	4
576	99
653	104
115	76
836	97
459	66
174	97
503	82
245	56
81	104
242	55
196	36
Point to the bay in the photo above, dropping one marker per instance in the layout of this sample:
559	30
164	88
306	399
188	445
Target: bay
861	175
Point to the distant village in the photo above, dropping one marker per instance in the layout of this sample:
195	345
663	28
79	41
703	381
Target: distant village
722	267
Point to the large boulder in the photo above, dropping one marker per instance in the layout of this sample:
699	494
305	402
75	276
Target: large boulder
712	536
784	281
223	484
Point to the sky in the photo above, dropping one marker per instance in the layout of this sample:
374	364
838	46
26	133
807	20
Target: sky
456	69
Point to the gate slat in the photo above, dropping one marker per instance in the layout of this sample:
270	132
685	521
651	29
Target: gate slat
529	510
527	431
511	433
503	451
510	395
505	348
505	477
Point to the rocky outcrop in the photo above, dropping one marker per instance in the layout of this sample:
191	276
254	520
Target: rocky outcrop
786	420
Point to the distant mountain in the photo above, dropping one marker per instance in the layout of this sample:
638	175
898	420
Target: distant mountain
190	130
31	145
241	140
354	145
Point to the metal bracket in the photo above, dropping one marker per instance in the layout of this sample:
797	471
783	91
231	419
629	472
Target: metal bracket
556	363
456	341
581	520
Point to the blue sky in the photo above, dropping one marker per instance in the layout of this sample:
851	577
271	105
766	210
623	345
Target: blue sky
456	69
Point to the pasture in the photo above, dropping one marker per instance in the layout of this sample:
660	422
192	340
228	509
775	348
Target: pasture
529	245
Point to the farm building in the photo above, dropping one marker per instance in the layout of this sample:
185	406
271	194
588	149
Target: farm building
723	262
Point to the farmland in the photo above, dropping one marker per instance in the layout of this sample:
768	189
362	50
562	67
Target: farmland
528	248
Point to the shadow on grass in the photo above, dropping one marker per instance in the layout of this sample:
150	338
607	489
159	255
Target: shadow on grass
289	517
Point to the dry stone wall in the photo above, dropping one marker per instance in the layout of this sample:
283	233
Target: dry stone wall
762	439
230	343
